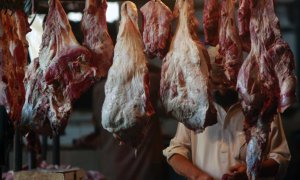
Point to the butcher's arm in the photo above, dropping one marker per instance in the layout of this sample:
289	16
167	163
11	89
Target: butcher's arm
178	155
184	167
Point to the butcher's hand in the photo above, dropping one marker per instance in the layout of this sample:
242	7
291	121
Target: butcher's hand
237	172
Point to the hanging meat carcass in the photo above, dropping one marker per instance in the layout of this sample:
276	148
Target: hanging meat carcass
4	53
96	37
266	80
243	24
184	86
211	19
229	42
127	108
60	75
22	28
13	61
157	18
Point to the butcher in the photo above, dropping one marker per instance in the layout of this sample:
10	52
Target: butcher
220	151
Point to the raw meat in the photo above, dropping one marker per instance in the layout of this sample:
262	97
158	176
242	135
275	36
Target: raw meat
3	55
22	28
157	18
243	24
211	19
60	75
229	41
36	107
127	108
96	37
184	86
218	78
12	64
266	81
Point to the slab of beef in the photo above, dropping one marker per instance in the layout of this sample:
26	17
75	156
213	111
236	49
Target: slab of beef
243	24
22	28
218	78
184	87
127	107
60	75
96	37
157	18
12	65
36	107
3	55
266	81
229	42
211	19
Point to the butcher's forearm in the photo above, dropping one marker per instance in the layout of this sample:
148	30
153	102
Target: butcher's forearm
184	167
269	168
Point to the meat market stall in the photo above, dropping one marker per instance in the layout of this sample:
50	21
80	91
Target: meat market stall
249	55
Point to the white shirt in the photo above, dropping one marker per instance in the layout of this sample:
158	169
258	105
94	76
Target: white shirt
223	145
